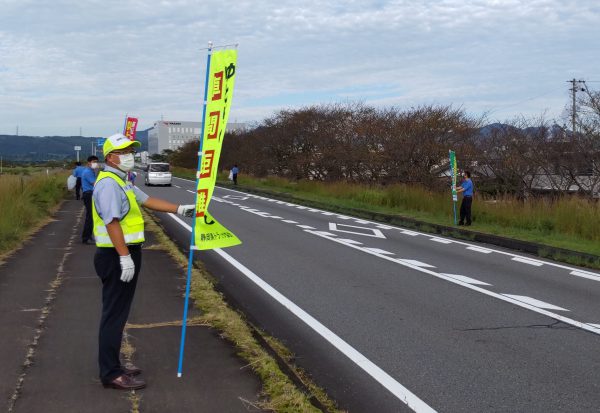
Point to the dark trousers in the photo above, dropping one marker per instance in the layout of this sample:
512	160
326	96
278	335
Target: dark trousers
88	224
465	210
78	189
116	303
235	179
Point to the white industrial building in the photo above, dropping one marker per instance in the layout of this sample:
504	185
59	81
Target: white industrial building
173	134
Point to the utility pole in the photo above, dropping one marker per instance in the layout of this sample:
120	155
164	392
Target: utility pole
80	134
574	88
17	130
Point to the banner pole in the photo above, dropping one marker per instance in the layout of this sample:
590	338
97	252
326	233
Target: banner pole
192	241
455	222
452	157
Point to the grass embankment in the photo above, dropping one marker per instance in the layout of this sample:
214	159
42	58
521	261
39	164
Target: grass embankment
283	396
26	200
570	222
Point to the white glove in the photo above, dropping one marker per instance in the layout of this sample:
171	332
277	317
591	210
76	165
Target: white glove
127	268
186	210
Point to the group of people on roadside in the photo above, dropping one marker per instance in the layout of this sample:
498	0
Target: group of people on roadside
84	188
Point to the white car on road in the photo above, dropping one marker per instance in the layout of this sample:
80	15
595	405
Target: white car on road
158	173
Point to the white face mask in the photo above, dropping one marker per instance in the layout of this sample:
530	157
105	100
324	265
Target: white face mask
94	165
126	162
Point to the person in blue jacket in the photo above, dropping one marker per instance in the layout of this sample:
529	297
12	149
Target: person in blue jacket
88	179
77	174
466	187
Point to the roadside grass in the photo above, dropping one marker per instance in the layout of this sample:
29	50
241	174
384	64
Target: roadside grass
26	201
283	396
571	223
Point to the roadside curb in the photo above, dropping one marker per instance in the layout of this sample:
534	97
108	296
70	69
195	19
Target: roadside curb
540	250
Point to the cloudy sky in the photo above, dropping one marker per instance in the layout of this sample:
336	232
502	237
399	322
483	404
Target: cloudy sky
71	64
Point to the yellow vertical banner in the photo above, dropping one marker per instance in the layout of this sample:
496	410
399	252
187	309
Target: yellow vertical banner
209	233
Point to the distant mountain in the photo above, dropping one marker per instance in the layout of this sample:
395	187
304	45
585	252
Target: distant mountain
554	132
52	148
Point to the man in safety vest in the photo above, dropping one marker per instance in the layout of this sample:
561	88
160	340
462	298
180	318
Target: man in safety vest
119	234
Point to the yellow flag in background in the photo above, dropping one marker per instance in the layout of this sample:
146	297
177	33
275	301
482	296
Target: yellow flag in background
209	233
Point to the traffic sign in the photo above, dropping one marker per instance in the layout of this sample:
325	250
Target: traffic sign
100	142
77	148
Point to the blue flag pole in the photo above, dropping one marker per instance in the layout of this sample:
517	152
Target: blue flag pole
192	241
455	222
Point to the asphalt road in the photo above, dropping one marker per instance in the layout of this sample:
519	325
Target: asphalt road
392	320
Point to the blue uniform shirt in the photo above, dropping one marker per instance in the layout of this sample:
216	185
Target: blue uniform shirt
110	199
78	171
467	184
234	170
88	177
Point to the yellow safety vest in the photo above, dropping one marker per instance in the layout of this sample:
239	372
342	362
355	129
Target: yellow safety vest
132	223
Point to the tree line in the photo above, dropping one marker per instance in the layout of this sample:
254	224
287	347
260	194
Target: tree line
355	142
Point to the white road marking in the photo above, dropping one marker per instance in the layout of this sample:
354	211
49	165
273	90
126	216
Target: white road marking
275	217
596	325
535	302
584	326
343	217
379	251
585	274
313	210
469	246
324	233
387	381
371	232
411	233
193	192
257	212
238	197
289	221
441	240
176	186
466	279
416	263
535	263
350	241
478	249
299	206
362	222
305	227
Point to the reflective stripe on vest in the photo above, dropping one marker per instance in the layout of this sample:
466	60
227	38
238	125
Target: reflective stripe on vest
132	224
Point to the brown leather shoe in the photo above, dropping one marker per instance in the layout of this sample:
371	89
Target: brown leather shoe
131	370
125	382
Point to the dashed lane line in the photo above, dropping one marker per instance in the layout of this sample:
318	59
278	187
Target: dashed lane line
416	263
472	247
507	298
479	249
535	263
585	274
535	302
466	279
379	251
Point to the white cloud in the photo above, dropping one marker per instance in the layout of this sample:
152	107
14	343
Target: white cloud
66	64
